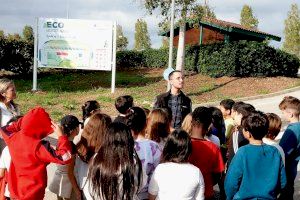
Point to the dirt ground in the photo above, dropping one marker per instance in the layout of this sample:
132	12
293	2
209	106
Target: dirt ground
203	88
143	84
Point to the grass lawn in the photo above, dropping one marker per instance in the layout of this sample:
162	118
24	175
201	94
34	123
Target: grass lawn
63	92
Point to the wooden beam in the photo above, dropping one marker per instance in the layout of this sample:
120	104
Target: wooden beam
226	38
201	35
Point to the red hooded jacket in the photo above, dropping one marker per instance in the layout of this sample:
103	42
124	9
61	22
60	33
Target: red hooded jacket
27	175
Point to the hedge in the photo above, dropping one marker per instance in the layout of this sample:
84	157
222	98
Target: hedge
244	59
241	59
16	56
150	58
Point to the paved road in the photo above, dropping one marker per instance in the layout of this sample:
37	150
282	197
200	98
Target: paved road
269	104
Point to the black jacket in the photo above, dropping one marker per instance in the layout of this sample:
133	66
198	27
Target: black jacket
235	141
185	104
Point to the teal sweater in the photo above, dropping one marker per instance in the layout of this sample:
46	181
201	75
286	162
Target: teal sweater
290	142
256	172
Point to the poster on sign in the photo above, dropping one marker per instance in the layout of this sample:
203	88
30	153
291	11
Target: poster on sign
75	44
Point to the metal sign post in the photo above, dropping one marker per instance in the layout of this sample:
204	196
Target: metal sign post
113	70
34	82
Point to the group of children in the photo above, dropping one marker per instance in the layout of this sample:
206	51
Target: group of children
139	155
260	163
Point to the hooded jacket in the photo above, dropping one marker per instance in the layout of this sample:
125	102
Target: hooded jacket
27	175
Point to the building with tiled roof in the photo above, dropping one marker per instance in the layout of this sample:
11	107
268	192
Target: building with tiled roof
213	30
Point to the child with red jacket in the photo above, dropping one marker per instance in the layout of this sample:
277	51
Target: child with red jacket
27	176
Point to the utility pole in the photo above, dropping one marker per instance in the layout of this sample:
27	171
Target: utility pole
171	39
67	9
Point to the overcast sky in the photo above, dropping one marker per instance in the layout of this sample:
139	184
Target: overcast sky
15	14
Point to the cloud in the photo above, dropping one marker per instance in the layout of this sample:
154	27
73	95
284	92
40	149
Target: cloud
15	14
270	14
21	13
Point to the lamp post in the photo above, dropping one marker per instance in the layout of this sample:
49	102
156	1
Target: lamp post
171	34
171	39
67	9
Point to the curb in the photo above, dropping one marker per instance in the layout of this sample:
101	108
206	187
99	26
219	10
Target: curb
263	96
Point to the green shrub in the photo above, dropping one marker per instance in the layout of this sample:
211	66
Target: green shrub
244	58
191	58
240	58
16	55
129	59
154	58
151	58
217	60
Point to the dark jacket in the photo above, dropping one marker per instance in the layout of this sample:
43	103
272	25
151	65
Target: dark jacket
185	104
235	139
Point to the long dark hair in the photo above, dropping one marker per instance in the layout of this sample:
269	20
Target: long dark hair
136	120
218	128
116	160
177	148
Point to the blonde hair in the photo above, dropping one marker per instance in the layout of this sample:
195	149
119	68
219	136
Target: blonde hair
291	103
4	85
187	123
158	126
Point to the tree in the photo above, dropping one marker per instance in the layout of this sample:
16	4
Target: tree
183	9
28	34
247	18
14	36
200	11
2	34
165	43
122	41
141	36
164	27
292	31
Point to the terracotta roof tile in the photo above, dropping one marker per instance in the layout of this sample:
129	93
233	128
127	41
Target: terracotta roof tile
233	25
225	24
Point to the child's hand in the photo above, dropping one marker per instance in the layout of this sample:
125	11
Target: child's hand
57	129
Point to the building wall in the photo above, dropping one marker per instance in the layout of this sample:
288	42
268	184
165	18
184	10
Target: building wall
192	37
211	36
